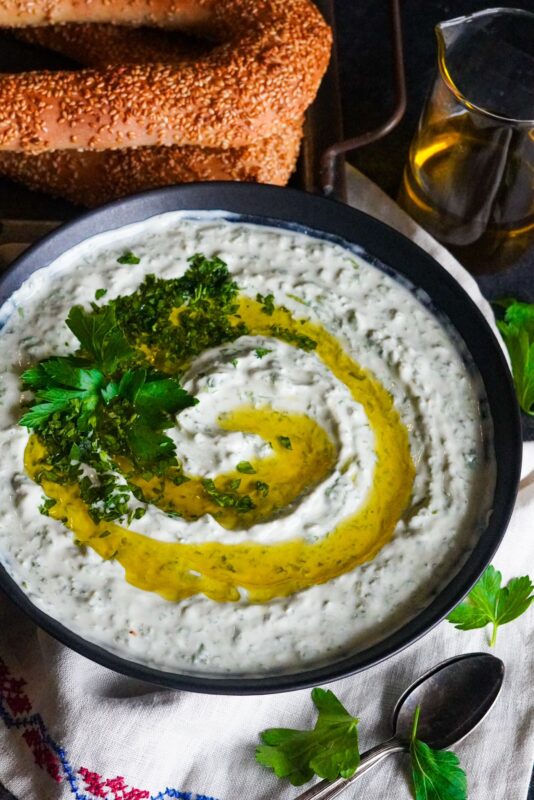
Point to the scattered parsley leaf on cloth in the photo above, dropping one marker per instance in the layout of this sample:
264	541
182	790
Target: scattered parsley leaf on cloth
436	774
517	330
330	750
488	603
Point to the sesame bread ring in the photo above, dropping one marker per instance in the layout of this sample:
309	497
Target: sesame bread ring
265	69
91	178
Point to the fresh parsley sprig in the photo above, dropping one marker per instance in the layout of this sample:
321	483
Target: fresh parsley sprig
127	409
517	330
436	774
98	404
330	750
488	603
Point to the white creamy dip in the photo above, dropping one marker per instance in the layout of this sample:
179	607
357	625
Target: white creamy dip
382	326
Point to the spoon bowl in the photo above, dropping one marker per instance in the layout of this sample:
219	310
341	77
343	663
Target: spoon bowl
454	697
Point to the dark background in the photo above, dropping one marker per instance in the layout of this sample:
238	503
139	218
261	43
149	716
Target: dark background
366	94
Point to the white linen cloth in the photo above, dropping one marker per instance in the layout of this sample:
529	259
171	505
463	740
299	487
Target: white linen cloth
73	730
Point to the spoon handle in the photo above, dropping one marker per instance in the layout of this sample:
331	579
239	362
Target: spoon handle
326	790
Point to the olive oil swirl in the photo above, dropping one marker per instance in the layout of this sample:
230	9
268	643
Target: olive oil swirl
222	571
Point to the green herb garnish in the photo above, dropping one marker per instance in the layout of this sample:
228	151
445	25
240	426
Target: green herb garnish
285	441
436	774
267	303
298	299
241	503
246	467
517	330
296	339
262	351
330	750
93	406
119	392
206	297
128	258
487	603
46	505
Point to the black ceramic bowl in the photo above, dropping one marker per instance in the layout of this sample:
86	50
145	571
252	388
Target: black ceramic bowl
398	255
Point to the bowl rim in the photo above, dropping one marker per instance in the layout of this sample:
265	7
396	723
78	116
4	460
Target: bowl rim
401	256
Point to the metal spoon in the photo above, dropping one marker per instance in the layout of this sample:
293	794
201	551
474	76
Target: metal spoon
454	696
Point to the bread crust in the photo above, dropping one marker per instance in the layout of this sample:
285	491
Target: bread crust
90	178
265	68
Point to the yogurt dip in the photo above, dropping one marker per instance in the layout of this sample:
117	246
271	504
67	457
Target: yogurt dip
367	447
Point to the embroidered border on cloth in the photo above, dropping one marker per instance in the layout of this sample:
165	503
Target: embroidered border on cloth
16	712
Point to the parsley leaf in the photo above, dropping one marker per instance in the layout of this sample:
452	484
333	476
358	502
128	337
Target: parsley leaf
241	503
262	488
60	385
488	603
330	750
285	441
245	467
34	377
66	371
149	447
40	413
128	258
162	396
46	505
436	774
267	303
262	351
100	293
517	330
100	337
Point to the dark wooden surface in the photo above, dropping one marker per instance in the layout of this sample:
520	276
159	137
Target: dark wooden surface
365	68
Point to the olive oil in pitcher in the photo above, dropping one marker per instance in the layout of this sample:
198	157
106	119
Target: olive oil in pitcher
469	179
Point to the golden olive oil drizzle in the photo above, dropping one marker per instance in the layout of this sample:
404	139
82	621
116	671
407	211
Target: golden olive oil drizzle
218	570
287	472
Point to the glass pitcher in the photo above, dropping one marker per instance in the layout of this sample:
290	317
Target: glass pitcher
470	175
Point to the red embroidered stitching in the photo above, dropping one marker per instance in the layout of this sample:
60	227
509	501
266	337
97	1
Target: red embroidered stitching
94	782
100	787
42	754
11	689
18	702
44	750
